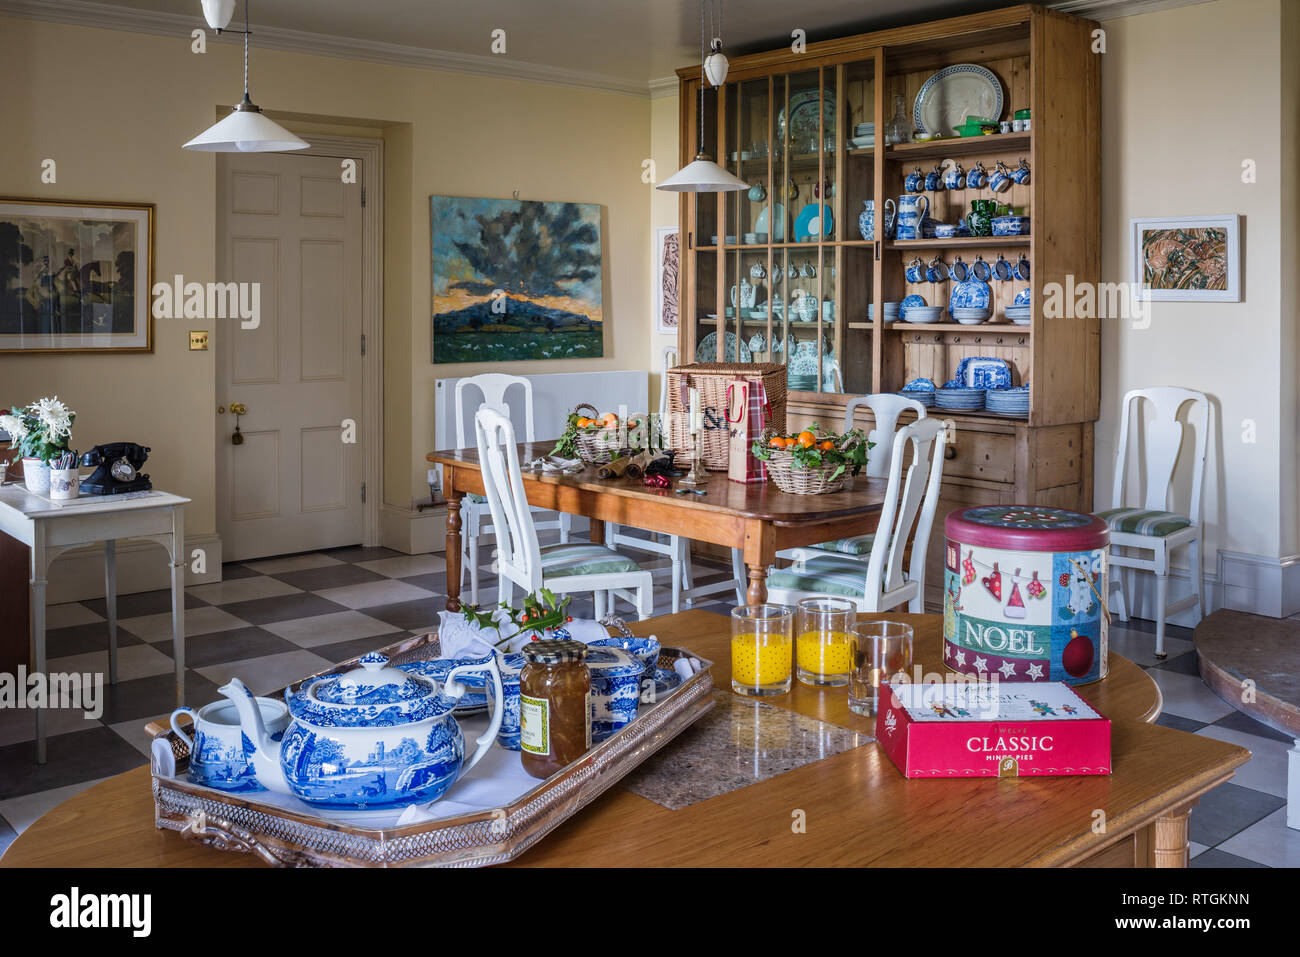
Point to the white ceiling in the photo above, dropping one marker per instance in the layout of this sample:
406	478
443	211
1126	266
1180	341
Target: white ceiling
629	40
614	44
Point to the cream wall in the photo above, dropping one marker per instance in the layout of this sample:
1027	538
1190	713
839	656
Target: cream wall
113	108
664	211
1188	95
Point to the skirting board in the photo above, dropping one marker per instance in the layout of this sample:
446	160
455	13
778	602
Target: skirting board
78	575
1260	584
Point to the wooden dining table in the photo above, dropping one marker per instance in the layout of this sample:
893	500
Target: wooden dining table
819	800
757	518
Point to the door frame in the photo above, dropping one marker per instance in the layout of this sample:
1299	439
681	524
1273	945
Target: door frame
371	154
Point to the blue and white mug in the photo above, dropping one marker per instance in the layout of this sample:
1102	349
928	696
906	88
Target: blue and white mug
958	271
981	269
221	756
1002	269
934	179
914	182
937	271
1000	179
1021	173
916	271
1022	268
954	177
978	176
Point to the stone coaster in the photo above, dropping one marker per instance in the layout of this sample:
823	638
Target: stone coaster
738	742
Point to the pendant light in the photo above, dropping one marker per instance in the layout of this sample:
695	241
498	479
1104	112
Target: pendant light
702	175
246	129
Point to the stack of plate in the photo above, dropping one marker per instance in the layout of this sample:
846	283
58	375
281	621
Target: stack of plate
891	311
970	316
924	314
1017	314
959	399
864	135
924	396
1008	401
802	383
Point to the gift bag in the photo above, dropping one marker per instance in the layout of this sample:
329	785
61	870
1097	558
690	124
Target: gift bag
748	414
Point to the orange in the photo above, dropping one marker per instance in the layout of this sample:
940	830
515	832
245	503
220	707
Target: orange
583	422
807	439
826	445
609	420
776	442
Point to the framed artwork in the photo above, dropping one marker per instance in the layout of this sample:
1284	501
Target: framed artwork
515	280
1191	258
75	276
667	262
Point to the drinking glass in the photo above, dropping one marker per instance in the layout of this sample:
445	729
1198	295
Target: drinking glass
823	640
761	649
880	649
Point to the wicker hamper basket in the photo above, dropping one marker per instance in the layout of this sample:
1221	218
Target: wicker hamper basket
712	379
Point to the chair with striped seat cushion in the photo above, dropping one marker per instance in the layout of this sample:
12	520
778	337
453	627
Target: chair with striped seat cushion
857	545
1142	521
583	558
1142	539
521	560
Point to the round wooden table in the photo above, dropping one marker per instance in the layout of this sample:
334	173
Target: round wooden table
1157	775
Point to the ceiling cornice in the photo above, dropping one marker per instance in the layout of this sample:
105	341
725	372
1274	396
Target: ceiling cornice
108	17
1115	9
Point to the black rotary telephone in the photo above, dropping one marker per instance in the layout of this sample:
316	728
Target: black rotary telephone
118	469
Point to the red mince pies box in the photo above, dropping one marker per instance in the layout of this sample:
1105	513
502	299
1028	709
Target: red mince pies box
991	729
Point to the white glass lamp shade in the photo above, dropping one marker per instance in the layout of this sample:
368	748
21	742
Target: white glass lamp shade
218	13
246	131
702	175
715	66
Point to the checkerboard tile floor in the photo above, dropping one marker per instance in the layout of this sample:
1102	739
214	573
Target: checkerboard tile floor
274	620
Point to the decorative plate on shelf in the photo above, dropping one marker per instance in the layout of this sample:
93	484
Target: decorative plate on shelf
707	350
920	385
778	214
803	118
1022	297
907	303
971	294
954	93
809	220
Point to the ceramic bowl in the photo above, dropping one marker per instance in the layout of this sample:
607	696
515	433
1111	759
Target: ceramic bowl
645	650
1010	225
945	231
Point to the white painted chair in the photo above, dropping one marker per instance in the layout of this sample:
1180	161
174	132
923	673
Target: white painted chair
886	408
521	560
493	386
881	583
1153	528
675	547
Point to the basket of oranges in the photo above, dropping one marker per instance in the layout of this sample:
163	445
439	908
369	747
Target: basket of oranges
599	439
814	461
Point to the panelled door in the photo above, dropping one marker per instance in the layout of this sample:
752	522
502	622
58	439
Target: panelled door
291	480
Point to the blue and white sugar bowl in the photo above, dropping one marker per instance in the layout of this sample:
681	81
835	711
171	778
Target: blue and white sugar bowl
615	689
373	737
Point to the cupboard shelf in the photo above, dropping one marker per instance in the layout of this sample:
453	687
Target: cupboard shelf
978	327
958	242
960	146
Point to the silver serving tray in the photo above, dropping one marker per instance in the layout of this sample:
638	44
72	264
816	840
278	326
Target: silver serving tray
302	838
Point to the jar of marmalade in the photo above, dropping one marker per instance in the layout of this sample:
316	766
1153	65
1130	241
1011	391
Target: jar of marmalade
554	705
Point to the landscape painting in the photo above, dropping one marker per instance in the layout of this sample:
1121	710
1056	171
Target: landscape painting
75	277
515	280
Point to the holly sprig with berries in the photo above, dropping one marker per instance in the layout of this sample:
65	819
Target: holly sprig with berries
542	611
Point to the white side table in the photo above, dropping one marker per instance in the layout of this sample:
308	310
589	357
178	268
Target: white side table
49	530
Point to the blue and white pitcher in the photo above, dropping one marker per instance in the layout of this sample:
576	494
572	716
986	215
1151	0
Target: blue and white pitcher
912	210
867	219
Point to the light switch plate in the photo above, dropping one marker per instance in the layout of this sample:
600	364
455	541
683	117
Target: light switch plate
199	341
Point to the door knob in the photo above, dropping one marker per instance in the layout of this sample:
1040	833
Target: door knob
238	408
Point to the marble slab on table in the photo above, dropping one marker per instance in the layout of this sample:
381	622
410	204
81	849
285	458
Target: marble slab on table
738	742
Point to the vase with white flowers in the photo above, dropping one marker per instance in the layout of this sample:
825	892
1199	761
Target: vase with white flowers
40	431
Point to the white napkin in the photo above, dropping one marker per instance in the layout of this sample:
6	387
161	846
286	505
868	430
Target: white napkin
462	638
553	463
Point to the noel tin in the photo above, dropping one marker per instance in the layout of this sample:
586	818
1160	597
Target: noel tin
985	729
1023	590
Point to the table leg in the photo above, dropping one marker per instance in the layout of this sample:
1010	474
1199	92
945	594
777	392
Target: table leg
1170	845
38	563
110	604
454	497
760	553
178	601
597	532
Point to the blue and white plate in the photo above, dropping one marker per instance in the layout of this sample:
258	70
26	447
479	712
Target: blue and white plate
971	294
735	350
925	398
908	302
954	93
983	372
920	385
1022	297
666	680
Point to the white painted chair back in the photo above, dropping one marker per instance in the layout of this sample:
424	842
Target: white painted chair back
670	360
493	387
519	556
903	501
1162	441
885	408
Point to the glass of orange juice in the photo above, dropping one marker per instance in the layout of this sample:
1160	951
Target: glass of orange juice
823	644
761	649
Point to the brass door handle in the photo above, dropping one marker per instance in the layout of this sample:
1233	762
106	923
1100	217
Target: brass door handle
238	408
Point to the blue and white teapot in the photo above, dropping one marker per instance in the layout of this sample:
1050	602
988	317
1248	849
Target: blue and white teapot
373	737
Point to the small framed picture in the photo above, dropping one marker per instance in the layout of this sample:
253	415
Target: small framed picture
667	264
75	276
1188	259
